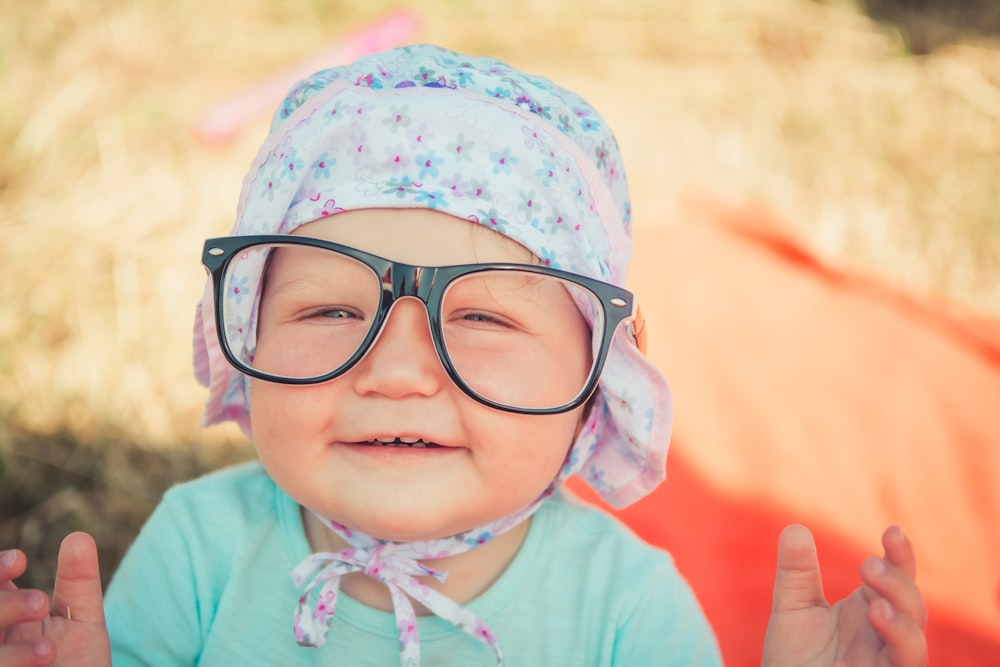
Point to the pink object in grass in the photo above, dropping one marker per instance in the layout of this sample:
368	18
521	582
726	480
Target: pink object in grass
220	123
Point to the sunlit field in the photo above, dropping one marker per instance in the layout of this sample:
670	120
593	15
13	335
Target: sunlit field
877	138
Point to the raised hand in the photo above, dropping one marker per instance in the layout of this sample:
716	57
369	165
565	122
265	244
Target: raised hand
69	632
881	624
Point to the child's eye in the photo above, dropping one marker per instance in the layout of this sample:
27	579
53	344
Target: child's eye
483	318
338	314
332	313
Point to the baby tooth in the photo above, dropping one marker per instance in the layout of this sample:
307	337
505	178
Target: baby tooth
401	442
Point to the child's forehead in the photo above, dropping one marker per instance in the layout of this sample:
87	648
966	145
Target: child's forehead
417	236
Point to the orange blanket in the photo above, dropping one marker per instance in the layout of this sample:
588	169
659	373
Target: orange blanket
810	394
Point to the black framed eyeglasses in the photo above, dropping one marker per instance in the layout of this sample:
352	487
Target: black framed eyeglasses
511	336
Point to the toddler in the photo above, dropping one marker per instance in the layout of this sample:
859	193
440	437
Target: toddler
419	320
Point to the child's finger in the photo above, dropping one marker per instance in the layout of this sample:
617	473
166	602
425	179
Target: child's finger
19	611
78	581
903	637
27	654
18	607
12	565
899	551
903	593
797	582
884	580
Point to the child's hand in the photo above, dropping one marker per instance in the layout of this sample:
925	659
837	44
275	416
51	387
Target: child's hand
73	634
879	624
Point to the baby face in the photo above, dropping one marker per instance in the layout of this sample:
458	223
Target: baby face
321	442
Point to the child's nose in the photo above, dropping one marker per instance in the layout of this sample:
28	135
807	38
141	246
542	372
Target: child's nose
403	361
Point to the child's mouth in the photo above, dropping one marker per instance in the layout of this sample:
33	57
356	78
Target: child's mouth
398	442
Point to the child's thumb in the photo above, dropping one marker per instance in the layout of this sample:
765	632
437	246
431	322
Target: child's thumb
797	582
77	595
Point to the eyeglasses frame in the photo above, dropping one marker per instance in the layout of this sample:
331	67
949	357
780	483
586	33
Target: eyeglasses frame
427	284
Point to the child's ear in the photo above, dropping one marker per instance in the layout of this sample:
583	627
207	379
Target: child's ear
639	329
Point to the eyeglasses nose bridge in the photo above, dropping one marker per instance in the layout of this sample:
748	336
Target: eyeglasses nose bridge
402	281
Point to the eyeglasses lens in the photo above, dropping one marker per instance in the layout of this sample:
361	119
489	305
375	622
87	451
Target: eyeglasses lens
517	338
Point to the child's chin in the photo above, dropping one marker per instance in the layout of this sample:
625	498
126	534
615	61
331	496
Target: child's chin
404	526
394	531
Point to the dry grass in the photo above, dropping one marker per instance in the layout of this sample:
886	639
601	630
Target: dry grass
884	159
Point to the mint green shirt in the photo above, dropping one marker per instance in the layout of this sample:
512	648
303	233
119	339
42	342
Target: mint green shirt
206	583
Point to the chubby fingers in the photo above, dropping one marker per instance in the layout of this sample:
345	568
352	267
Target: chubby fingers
887	582
896	608
12	565
903	635
17	606
899	551
27	654
892	577
798	583
78	580
17	647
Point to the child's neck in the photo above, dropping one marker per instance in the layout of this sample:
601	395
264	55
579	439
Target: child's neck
469	574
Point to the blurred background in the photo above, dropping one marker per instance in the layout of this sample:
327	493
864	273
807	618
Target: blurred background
873	127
